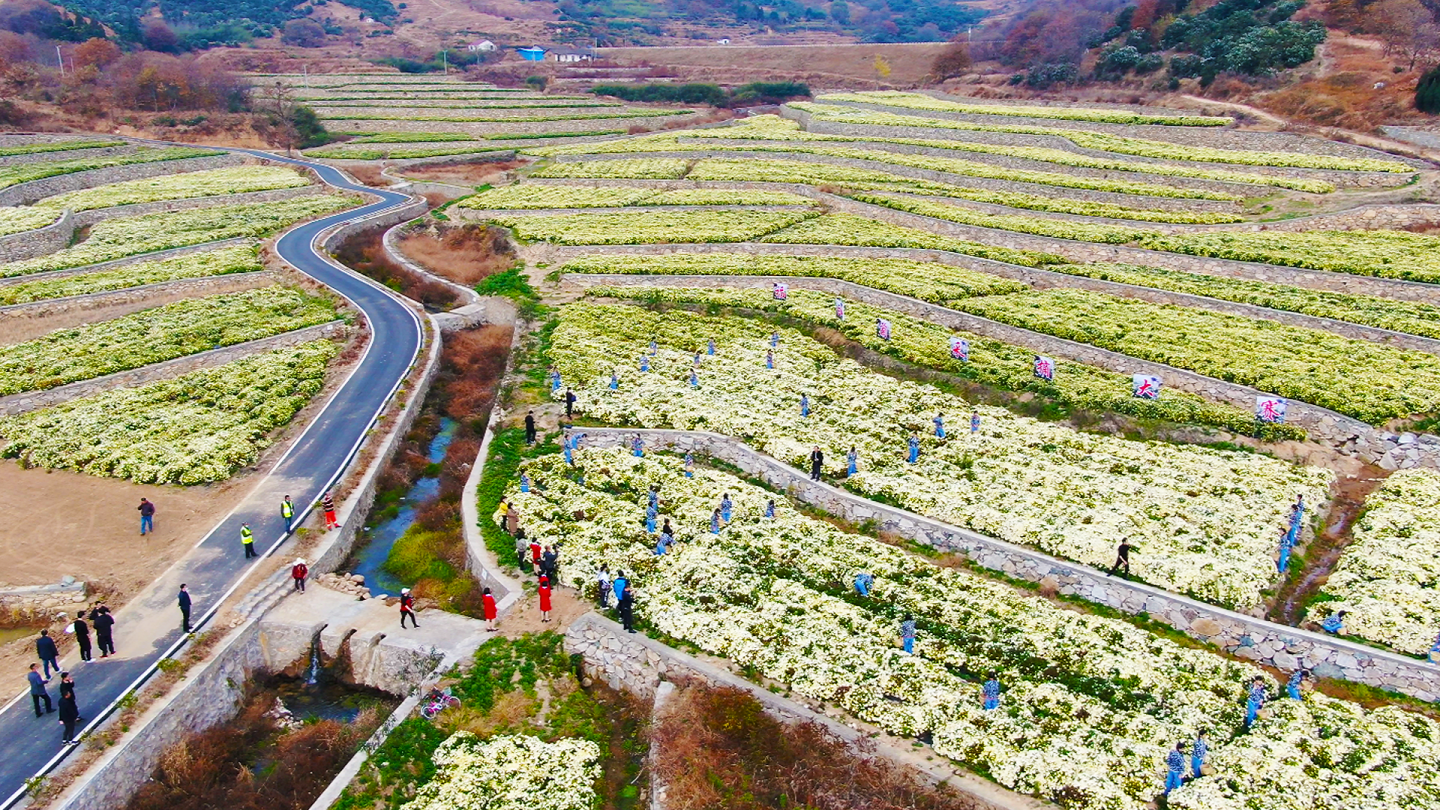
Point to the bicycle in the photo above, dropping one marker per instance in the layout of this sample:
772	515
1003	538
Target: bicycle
438	701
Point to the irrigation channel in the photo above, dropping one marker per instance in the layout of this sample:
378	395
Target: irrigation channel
369	559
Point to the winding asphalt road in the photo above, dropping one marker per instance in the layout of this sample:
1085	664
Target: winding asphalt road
148	628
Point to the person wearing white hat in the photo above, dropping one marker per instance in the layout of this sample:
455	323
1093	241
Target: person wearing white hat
298	572
407	608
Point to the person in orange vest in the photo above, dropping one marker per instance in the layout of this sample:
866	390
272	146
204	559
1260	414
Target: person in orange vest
490	611
544	599
407	608
298	572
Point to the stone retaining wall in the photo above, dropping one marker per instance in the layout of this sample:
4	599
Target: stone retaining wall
1340	179
207	285
1058	192
42	600
647	669
39	242
212	693
1349	436
31	400
27	193
1270	644
95	215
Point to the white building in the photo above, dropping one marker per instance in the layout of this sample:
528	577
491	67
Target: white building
569	55
483	46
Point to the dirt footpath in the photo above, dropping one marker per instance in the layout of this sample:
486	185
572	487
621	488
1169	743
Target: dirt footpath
59	522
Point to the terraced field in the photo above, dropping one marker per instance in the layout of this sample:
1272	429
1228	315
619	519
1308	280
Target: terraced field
436	118
203	290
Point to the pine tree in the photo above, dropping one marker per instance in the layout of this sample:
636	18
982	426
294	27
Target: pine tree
1427	92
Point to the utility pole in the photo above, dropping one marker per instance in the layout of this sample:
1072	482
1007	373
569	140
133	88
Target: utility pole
305	68
61	59
445	60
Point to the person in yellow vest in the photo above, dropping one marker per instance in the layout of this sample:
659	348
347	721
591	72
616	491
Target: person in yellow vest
287	511
247	538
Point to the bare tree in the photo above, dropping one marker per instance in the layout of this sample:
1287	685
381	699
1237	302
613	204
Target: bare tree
277	102
1408	29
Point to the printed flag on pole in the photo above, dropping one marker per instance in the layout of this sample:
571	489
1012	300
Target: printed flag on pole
781	291
882	328
1271	409
1044	367
1146	386
960	349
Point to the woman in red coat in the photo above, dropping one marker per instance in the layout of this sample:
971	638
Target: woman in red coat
544	599
490	612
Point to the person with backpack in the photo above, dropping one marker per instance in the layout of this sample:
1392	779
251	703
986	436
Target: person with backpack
407	608
81	629
298	572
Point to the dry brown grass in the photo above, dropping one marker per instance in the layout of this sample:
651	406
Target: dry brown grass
465	254
473	173
365	253
369	174
719	750
854	63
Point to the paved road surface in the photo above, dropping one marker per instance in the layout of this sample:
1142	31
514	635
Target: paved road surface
150	624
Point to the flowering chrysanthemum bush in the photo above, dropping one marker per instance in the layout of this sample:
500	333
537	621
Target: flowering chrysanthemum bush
1089	706
510	772
1387	313
155	335
1386	254
1206	522
927	281
920	101
21	219
848	229
1369	381
219	262
652	227
991	362
1087	139
547	196
816	173
129	236
1057	228
774	128
56	146
212	183
638	169
502	118
1388	578
344	151
25	172
194	429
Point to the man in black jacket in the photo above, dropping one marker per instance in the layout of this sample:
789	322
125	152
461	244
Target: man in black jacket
48	654
530	427
817	459
82	635
104	625
184	602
